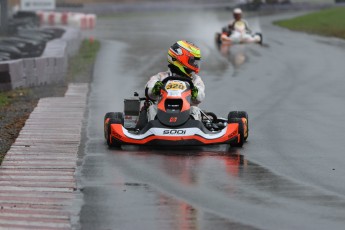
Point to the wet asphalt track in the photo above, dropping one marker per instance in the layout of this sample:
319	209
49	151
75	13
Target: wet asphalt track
290	174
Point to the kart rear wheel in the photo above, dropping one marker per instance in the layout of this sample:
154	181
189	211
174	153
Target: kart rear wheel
239	121
241	114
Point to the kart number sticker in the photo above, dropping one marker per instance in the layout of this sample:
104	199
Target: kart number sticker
175	85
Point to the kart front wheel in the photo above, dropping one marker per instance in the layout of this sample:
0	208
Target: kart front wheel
117	115
217	37
238	143
260	38
111	115
112	142
244	116
112	118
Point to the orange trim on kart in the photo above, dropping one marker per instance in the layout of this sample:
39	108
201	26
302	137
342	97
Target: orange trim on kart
161	105
232	131
185	103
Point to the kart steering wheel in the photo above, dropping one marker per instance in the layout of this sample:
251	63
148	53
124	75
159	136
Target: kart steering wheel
191	84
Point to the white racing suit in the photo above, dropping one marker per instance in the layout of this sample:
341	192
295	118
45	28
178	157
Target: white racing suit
194	110
240	33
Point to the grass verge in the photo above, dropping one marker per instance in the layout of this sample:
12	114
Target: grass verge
79	65
329	22
17	105
7	97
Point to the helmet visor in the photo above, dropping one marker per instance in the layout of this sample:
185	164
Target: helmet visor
195	62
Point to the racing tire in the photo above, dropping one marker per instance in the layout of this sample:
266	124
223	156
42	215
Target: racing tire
241	114
114	118
107	115
112	142
261	38
239	121
237	114
112	115
217	38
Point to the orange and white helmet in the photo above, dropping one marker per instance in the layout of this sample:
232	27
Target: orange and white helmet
185	56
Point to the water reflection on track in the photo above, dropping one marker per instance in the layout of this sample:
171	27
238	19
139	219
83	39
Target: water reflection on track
183	173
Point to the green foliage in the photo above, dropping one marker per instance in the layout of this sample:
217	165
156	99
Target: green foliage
8	96
86	57
3	99
330	22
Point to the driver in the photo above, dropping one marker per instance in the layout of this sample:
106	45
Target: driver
230	33
237	14
183	58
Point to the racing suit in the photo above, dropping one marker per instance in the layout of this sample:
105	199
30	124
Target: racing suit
233	22
194	110
236	36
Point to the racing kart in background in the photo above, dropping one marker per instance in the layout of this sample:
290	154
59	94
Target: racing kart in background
173	124
238	35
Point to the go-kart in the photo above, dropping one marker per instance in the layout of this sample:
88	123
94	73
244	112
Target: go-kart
238	35
173	123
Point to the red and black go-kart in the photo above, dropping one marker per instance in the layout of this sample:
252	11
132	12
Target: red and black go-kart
173	124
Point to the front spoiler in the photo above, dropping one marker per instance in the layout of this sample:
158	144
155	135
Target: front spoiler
187	135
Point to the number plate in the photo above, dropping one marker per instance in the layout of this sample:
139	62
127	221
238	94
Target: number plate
175	85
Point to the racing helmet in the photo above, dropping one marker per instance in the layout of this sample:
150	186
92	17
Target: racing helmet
237	12
185	56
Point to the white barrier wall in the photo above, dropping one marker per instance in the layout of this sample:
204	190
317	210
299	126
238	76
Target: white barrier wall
29	65
17	73
77	20
73	38
51	67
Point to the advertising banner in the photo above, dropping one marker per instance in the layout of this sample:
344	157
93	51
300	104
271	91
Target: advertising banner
31	5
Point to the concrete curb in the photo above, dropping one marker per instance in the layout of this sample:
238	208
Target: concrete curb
37	177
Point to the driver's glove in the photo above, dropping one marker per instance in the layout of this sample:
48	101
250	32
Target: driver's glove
156	90
194	93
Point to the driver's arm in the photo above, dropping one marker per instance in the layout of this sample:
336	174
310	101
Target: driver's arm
151	83
247	26
199	84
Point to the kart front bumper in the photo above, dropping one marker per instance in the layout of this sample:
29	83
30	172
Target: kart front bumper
171	137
